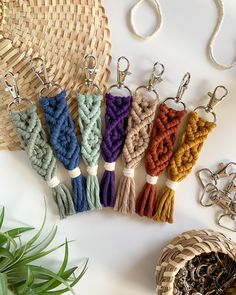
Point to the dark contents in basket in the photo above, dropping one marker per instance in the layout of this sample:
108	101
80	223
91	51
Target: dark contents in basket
206	274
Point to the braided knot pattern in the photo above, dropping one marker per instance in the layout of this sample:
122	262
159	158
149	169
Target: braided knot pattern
60	127
186	155
116	120
90	127
163	139
34	141
62	135
138	135
159	154
182	162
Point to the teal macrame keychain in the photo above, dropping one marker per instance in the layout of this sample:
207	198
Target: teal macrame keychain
90	126
60	127
34	141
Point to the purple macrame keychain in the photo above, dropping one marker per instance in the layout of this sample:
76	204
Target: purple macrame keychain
116	119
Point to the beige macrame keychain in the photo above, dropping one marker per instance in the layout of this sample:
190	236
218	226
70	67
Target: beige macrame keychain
158	24
139	129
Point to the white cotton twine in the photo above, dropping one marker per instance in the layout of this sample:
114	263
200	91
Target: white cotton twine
172	184
159	20
74	173
110	166
128	172
151	179
53	182
92	170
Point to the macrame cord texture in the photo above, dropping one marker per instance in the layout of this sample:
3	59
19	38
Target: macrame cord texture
158	155
181	164
64	141
90	126
137	139
34	141
116	120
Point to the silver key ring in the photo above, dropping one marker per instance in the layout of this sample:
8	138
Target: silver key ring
182	88
90	70
214	101
12	87
42	75
156	77
121	75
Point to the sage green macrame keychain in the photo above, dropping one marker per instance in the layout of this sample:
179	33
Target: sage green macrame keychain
90	126
34	141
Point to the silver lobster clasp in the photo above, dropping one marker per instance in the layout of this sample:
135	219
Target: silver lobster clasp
156	77
215	99
12	88
38	66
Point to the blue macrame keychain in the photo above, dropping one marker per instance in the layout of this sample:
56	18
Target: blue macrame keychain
62	135
90	126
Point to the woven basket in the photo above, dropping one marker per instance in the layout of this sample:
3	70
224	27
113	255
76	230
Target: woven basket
183	249
61	32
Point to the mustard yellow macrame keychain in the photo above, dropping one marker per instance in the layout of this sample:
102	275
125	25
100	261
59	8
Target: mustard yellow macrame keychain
186	155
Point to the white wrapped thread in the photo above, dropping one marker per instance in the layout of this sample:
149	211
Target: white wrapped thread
172	184
74	173
92	170
151	179
128	172
110	166
53	182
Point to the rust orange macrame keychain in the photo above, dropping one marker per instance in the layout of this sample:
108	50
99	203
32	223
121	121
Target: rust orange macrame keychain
186	155
161	148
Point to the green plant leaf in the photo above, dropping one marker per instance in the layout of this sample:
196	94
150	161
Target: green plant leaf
44	243
2	216
25	278
4	238
23	289
62	291
18	256
13	233
49	284
41	270
28	259
3	286
5	253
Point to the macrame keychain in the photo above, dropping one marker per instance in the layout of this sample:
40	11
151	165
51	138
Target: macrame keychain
116	119
161	148
60	127
186	155
140	122
90	126
34	141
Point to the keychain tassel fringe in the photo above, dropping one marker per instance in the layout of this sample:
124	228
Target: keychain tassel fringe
60	127
34	141
138	135
90	127
158	156
181	164
116	119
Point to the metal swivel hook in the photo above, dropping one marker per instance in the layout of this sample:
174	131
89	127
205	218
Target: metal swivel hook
183	86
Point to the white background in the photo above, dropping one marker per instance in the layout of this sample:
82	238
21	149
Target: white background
123	250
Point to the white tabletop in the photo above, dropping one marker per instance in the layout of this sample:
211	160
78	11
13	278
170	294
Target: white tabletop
123	250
